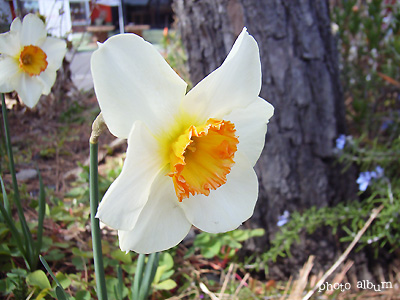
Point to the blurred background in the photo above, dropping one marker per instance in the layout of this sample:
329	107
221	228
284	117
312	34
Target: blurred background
331	158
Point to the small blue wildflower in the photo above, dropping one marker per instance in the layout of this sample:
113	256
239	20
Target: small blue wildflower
340	142
379	172
385	125
282	220
365	177
363	180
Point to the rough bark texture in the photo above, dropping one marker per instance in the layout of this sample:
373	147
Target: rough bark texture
297	168
206	33
5	16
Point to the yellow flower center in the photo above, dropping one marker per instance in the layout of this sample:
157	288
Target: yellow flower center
32	60
201	158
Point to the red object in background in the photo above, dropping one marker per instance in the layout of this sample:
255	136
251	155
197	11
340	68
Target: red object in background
12	10
389	4
102	11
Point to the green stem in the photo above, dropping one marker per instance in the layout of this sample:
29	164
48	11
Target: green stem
148	276
138	276
41	213
14	232
96	237
25	229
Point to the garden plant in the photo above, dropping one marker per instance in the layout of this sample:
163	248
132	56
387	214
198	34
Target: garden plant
160	217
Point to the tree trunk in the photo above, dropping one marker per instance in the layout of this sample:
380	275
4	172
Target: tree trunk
5	16
297	168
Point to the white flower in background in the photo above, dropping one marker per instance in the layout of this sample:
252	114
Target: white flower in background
190	157
29	59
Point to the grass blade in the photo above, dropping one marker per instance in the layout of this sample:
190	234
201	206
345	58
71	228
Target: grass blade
120	286
148	276
6	213
42	211
5	198
15	233
138	276
61	294
25	229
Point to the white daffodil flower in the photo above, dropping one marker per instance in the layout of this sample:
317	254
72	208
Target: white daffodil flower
29	59
190	157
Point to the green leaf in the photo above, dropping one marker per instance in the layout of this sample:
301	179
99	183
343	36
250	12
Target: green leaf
60	293
5	198
148	275
138	276
167	285
82	295
159	272
123	257
55	255
212	250
39	279
167	261
41	213
167	275
63	280
43	293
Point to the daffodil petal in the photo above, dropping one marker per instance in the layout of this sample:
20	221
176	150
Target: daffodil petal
133	82
33	31
16	25
162	224
8	69
251	127
55	50
235	84
9	44
227	207
29	89
127	195
47	78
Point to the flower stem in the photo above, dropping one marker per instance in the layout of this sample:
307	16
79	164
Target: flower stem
96	237
25	229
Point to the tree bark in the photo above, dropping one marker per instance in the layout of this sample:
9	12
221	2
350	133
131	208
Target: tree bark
5	16
298	167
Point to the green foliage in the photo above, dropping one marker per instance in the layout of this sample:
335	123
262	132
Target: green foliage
348	218
369	35
80	191
223	245
162	279
28	248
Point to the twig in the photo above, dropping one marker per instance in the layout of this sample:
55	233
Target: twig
242	283
225	284
300	284
339	277
207	291
374	214
286	288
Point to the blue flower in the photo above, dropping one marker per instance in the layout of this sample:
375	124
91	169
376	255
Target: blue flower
282	220
340	142
379	172
365	177
385	125
363	180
